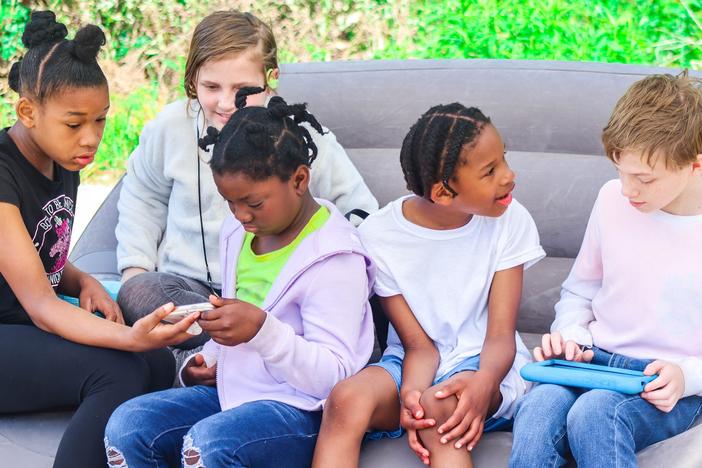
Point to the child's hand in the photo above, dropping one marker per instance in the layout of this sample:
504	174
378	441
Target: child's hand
149	333
411	419
93	298
196	372
553	346
474	395
232	322
665	391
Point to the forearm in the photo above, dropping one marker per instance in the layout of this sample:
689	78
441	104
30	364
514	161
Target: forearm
497	357
419	369
72	280
77	325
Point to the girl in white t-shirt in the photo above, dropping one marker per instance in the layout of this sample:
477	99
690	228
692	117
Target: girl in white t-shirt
450	260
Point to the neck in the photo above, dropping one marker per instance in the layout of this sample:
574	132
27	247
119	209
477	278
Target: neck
29	149
307	209
425	213
689	202
264	244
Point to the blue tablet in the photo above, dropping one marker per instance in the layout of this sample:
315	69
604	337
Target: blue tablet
579	374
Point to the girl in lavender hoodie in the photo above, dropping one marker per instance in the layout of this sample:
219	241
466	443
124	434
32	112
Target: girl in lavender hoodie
294	319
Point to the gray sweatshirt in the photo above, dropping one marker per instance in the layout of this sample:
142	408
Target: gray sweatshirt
159	226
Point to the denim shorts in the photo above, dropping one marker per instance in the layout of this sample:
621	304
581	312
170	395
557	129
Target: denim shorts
393	365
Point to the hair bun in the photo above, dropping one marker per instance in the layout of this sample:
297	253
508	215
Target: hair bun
240	98
13	78
42	28
211	137
277	107
87	43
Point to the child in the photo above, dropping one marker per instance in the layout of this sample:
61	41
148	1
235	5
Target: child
170	213
450	260
297	321
55	352
633	294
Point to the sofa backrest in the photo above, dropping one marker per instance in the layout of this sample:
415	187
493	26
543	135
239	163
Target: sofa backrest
550	115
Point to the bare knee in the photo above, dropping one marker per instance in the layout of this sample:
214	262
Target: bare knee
347	407
435	408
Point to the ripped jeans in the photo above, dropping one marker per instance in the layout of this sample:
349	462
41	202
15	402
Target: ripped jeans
187	426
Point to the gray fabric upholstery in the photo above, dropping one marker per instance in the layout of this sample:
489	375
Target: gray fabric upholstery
550	115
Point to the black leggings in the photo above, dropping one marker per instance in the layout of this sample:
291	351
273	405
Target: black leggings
42	371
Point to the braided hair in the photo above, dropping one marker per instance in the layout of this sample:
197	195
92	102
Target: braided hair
432	148
53	63
263	141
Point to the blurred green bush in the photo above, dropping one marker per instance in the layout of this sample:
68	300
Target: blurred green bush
148	39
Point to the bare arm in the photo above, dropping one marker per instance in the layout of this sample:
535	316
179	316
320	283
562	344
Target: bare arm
499	347
22	269
421	356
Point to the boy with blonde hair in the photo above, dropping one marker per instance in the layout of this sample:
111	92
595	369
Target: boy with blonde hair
632	299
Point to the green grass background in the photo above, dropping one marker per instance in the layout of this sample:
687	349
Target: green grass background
147	41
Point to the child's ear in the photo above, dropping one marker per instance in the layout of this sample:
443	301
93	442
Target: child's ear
697	165
440	195
26	111
301	179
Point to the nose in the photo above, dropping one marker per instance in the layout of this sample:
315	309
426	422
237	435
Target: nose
226	101
90	138
508	177
628	188
241	214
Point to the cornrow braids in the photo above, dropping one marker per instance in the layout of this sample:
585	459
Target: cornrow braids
53	63
432	148
263	141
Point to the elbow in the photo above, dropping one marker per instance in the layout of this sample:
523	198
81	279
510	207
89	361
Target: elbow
423	348
39	312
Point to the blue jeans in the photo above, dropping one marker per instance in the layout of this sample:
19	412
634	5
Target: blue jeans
186	425
393	365
600	428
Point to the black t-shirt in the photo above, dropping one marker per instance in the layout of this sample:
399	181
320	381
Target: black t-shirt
47	208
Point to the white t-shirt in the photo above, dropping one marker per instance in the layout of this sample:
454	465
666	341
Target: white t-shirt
445	277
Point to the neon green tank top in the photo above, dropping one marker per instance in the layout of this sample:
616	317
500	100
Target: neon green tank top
255	274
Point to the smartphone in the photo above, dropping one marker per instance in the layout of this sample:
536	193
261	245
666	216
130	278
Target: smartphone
183	311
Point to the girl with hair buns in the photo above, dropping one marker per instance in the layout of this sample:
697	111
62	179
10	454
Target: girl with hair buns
295	321
55	352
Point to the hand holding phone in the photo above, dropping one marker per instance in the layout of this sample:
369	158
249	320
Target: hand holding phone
183	311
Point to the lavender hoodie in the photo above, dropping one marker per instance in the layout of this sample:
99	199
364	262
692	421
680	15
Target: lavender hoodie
319	328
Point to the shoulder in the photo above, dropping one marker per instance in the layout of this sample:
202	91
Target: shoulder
326	142
379	221
611	189
176	116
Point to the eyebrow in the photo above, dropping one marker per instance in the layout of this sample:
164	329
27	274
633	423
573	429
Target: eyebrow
636	174
235	85
494	161
81	114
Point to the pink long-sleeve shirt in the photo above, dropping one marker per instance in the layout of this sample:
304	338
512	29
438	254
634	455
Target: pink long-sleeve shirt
636	286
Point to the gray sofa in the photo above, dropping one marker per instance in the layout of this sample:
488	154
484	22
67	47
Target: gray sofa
550	115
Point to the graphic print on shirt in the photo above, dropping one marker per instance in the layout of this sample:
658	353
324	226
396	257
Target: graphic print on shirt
52	236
